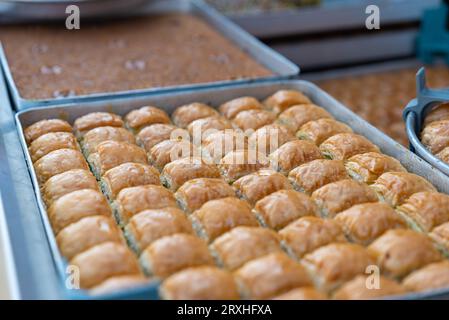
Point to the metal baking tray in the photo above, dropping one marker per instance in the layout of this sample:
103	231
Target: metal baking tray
280	66
216	96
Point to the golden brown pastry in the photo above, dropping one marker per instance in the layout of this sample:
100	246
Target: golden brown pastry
338	196
367	167
255	186
269	276
170	150
444	155
363	223
50	142
177	172
127	175
66	182
145	116
313	175
431	277
237	164
363	288
293	154
440	235
95	120
309	233
204	127
94	137
297	116
284	99
200	283
57	162
151	135
425	210
220	143
337	263
171	254
149	225
399	252
304	293
270	137
231	108
440	112
395	188
119	283
219	216
242	244
42	127
111	154
343	146
253	119
319	130
133	200
194	193
76	205
186	114
435	136
86	233
282	207
103	261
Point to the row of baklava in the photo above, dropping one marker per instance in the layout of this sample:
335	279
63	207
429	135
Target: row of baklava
253	187
435	135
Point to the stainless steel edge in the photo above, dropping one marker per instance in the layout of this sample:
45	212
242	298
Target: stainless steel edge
215	96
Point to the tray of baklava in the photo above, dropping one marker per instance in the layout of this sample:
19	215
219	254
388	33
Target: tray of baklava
258	191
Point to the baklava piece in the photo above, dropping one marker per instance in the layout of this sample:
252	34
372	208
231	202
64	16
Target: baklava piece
338	196
147	226
200	283
76	205
42	127
150	136
395	188
119	284
200	129
177	172
440	235
128	175
313	175
170	150
435	136
444	155
186	114
337	263
50	142
219	144
171	254
103	261
67	182
269	138
131	201
425	210
237	164
399	252
283	207
319	130
297	116
111	154
284	99
253	119
363	223
145	116
93	138
362	288
304	293
260	184
194	193
242	244
440	112
309	233
293	154
57	162
231	108
86	233
343	146
216	217
94	120
431	277
269	276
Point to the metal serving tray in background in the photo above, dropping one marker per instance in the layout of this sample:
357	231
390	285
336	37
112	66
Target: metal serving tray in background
280	66
214	97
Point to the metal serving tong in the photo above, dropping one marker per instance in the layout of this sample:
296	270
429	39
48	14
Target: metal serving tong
415	113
